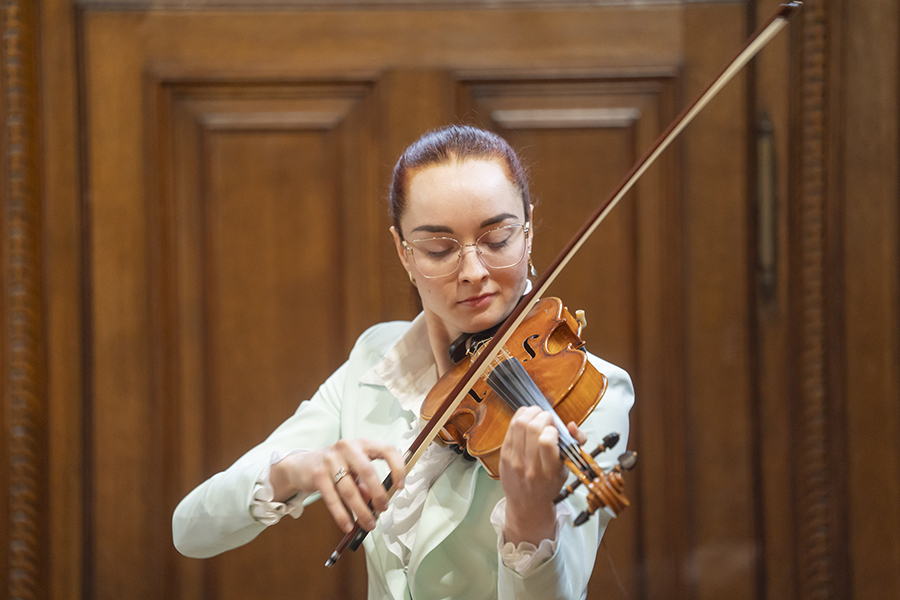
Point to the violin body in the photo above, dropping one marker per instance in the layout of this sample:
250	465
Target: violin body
548	345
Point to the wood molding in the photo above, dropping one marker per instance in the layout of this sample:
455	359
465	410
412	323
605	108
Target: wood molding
565	118
24	392
366	4
818	471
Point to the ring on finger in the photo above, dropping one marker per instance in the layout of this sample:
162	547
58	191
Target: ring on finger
341	473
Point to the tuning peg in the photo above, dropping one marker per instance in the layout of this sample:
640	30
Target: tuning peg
611	440
608	442
627	460
581	318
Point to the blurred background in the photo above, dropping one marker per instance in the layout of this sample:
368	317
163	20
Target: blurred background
195	231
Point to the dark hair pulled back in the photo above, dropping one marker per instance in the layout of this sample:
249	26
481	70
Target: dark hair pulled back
454	143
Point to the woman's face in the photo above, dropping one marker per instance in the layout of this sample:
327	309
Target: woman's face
463	200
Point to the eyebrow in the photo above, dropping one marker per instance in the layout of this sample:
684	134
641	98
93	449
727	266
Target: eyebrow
486	223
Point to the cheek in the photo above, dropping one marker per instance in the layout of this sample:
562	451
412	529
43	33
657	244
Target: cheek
432	292
513	280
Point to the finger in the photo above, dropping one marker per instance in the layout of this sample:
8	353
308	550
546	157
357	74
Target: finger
548	448
536	429
579	435
332	499
352	497
394	460
379	494
536	425
516	439
364	491
358	460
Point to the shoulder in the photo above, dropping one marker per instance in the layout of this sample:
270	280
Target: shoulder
618	378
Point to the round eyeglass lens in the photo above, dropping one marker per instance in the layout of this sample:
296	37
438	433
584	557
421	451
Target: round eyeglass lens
502	247
498	248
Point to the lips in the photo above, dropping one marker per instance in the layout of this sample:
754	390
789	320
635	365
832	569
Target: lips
477	301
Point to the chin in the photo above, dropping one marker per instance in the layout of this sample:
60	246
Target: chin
485	320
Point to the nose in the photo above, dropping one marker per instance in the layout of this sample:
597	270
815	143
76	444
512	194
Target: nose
471	265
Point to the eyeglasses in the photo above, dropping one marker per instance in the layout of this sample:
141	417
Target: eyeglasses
498	248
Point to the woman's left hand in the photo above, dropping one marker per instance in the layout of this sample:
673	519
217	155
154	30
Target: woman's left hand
532	474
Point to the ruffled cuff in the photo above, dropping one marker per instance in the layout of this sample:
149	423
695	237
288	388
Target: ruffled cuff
262	505
526	557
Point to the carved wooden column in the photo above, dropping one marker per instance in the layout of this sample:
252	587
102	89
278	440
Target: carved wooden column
818	445
24	419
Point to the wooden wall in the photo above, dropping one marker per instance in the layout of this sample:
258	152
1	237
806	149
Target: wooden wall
194	233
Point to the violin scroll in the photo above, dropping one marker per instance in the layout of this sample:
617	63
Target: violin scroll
604	489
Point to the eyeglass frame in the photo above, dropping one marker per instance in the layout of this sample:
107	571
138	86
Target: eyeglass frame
526	230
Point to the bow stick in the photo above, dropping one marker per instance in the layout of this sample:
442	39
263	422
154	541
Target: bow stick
480	364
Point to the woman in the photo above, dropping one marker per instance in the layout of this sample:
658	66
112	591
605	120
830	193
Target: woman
462	217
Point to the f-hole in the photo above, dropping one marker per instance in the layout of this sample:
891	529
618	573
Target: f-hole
528	347
476	396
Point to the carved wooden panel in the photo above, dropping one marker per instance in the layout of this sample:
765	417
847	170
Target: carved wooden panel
263	226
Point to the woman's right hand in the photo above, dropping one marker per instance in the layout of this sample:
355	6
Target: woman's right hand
344	475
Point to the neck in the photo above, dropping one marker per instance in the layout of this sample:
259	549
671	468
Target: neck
441	356
439	338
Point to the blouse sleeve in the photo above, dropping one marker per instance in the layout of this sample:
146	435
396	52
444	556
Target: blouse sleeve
264	508
218	514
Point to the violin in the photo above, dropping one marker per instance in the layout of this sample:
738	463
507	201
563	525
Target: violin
542	364
479	363
543	358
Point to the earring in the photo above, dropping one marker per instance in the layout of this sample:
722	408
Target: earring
531	267
412	279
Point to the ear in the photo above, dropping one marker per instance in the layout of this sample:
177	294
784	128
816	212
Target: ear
401	251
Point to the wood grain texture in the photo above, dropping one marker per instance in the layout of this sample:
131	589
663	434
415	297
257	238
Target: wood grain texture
718	424
24	394
771	326
63	244
869	163
358	4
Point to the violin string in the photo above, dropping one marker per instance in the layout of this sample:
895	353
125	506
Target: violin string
529	390
512	383
526	389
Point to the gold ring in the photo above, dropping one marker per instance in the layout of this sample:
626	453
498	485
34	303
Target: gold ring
342	472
